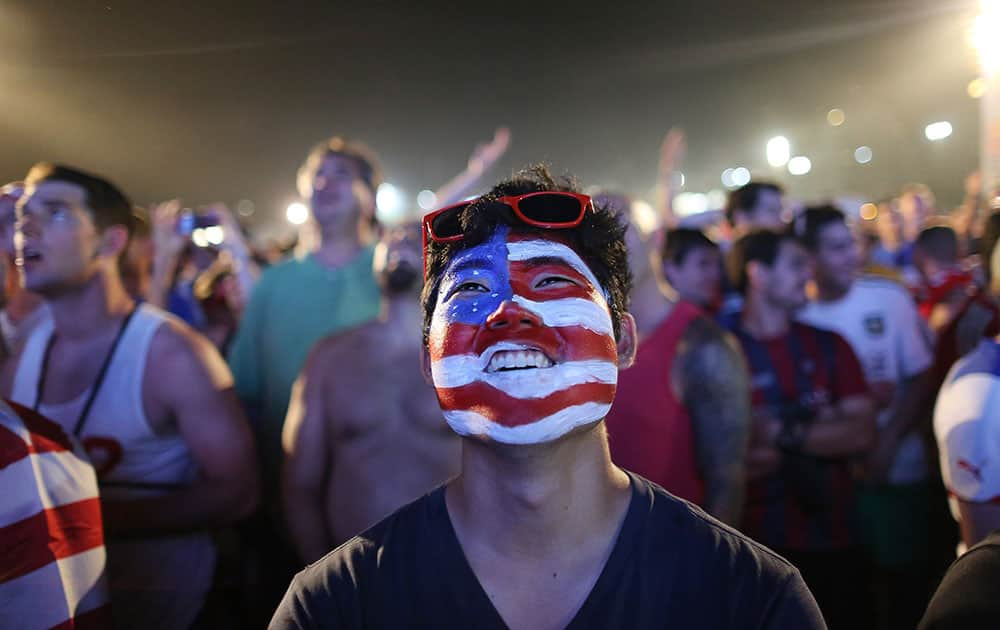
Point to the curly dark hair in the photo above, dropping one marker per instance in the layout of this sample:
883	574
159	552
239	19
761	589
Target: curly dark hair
599	239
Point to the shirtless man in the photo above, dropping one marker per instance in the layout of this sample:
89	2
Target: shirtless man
523	344
150	400
364	434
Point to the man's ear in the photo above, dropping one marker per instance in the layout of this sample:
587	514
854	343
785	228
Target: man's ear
114	241
425	365
755	273
627	342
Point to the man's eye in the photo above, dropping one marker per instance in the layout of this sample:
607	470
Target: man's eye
554	281
471	286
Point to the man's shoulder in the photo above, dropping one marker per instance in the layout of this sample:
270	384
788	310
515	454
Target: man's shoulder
359	558
705	539
887	292
290	266
983	360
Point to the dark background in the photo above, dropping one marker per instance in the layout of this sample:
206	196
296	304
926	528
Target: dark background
221	101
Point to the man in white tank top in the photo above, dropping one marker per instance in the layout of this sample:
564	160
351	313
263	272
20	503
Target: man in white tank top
150	399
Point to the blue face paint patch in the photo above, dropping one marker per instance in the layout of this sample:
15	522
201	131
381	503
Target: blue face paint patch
485	265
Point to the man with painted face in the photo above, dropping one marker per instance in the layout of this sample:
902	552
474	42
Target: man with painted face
364	434
526	327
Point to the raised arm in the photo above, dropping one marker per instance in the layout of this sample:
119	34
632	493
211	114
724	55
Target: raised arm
482	159
167	248
672	151
712	380
191	384
304	471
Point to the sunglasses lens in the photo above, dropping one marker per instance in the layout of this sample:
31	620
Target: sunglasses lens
445	224
553	209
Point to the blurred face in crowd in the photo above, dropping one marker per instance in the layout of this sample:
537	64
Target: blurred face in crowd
340	196
57	242
698	276
397	262
767	213
837	257
783	284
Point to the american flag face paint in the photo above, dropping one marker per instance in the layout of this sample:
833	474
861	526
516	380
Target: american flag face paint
521	342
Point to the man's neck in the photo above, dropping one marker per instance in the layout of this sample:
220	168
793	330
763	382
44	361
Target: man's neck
826	292
764	320
338	248
87	310
403	312
523	501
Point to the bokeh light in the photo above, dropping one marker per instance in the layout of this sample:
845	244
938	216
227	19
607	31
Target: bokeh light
938	130
778	150
427	200
863	155
836	117
799	165
297	213
868	211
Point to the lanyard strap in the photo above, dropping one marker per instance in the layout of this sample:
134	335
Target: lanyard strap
82	419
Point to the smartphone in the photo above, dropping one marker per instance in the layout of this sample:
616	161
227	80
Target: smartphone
189	221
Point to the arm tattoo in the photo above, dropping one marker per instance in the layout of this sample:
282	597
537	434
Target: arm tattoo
711	379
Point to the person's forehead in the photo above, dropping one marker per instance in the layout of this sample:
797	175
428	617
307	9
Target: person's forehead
55	191
835	231
504	246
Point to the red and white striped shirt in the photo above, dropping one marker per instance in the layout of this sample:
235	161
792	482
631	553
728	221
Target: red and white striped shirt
52	557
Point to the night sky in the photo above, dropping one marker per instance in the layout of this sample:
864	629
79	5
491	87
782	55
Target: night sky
222	102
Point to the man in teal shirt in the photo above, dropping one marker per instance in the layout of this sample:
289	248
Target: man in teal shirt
300	301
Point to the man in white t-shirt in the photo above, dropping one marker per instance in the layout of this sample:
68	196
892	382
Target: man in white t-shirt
880	321
967	428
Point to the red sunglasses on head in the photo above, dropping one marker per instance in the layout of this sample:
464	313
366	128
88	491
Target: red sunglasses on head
551	210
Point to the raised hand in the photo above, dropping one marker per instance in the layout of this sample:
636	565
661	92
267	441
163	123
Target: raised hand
486	154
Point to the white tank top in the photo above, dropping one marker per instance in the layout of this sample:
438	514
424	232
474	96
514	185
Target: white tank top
159	582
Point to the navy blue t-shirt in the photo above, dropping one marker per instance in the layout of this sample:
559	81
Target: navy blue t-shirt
671	566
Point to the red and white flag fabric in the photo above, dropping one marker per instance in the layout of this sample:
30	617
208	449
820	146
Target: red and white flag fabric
52	556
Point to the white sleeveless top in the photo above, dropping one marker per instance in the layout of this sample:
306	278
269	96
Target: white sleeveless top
157	582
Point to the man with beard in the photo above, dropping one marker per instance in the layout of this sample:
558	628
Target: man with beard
364	434
525	328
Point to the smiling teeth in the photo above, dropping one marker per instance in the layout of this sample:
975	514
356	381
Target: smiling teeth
508	360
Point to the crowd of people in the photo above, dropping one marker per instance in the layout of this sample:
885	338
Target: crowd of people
539	406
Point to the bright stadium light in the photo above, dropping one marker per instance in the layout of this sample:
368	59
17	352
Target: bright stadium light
984	36
297	213
799	165
390	204
938	130
688	203
778	150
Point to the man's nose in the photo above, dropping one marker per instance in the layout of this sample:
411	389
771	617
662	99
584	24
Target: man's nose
512	315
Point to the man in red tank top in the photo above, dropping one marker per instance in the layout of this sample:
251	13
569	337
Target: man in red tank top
682	414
